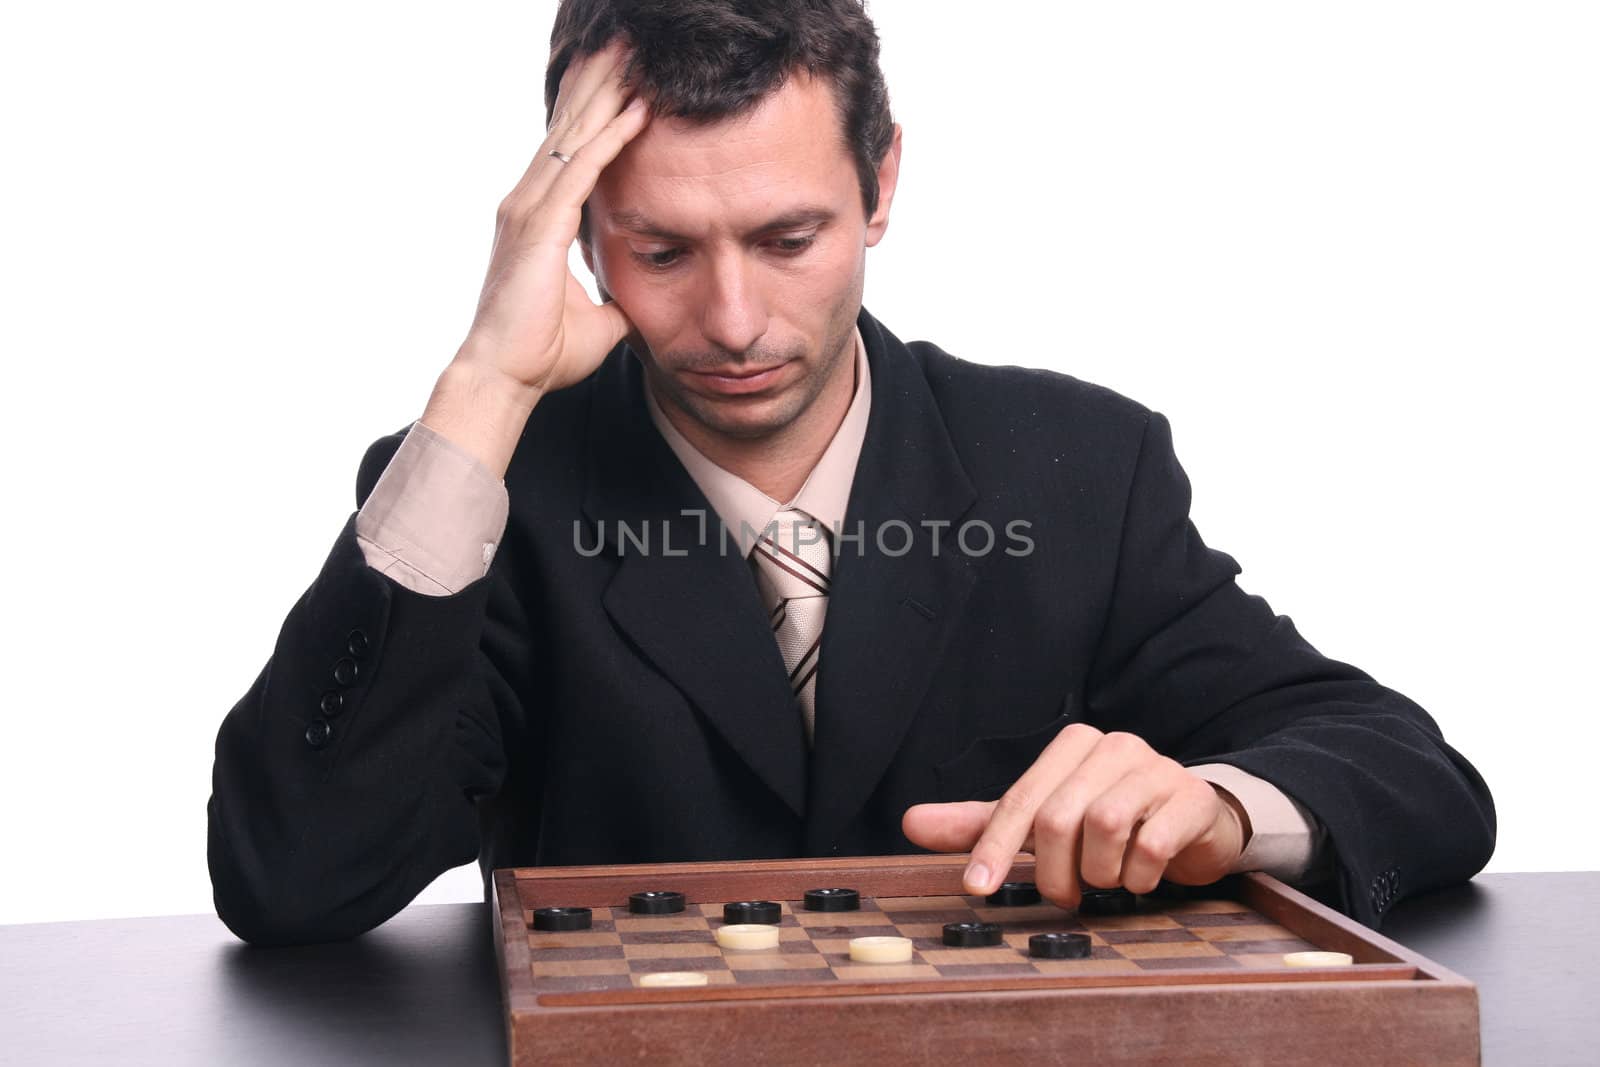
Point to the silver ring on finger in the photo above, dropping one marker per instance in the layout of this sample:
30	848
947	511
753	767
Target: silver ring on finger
561	155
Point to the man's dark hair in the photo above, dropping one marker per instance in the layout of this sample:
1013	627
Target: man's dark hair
705	60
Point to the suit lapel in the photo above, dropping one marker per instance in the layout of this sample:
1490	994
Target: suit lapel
890	613
695	614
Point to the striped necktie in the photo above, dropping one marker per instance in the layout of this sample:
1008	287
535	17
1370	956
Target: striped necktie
793	561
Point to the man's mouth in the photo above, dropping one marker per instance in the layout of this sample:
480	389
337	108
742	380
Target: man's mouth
738	380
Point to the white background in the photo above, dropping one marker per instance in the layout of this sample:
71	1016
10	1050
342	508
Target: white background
1349	249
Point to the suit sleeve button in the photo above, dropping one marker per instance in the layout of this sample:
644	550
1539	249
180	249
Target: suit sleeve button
357	643
319	733
345	672
332	703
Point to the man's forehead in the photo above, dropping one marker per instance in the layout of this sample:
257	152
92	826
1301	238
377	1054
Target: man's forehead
792	128
782	158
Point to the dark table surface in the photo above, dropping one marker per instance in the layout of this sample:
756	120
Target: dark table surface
423	988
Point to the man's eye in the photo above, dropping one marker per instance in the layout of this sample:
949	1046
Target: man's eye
793	245
658	260
667	257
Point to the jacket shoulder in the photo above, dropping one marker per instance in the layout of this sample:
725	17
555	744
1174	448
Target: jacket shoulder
1032	402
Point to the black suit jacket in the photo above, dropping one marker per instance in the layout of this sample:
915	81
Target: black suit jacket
591	701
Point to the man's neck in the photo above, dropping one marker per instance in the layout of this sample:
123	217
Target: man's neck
778	465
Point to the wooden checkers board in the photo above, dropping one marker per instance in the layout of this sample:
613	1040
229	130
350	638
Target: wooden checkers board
1192	978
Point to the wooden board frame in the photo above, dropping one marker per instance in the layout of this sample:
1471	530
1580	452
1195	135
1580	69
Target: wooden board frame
1393	1006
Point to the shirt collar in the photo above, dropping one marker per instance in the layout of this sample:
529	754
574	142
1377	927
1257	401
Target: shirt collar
826	492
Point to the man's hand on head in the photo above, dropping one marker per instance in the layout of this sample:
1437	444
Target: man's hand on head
1096	809
536	330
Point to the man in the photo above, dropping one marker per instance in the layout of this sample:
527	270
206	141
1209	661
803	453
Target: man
721	568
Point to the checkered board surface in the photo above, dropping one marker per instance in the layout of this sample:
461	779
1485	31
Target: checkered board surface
814	946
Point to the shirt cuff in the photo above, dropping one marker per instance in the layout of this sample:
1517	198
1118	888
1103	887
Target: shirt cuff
435	518
1284	837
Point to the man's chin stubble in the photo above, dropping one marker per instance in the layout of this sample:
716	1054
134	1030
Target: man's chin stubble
706	413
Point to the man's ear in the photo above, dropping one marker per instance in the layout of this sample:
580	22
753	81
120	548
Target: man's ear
587	250
888	178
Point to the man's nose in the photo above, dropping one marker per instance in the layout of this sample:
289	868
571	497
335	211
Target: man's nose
735	311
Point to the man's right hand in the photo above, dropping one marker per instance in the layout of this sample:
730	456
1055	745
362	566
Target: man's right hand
536	328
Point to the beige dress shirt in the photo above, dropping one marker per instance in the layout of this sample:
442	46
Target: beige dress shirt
436	516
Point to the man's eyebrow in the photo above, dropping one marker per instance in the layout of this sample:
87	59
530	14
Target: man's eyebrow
797	218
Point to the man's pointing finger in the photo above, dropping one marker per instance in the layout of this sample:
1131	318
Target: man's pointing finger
1011	823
